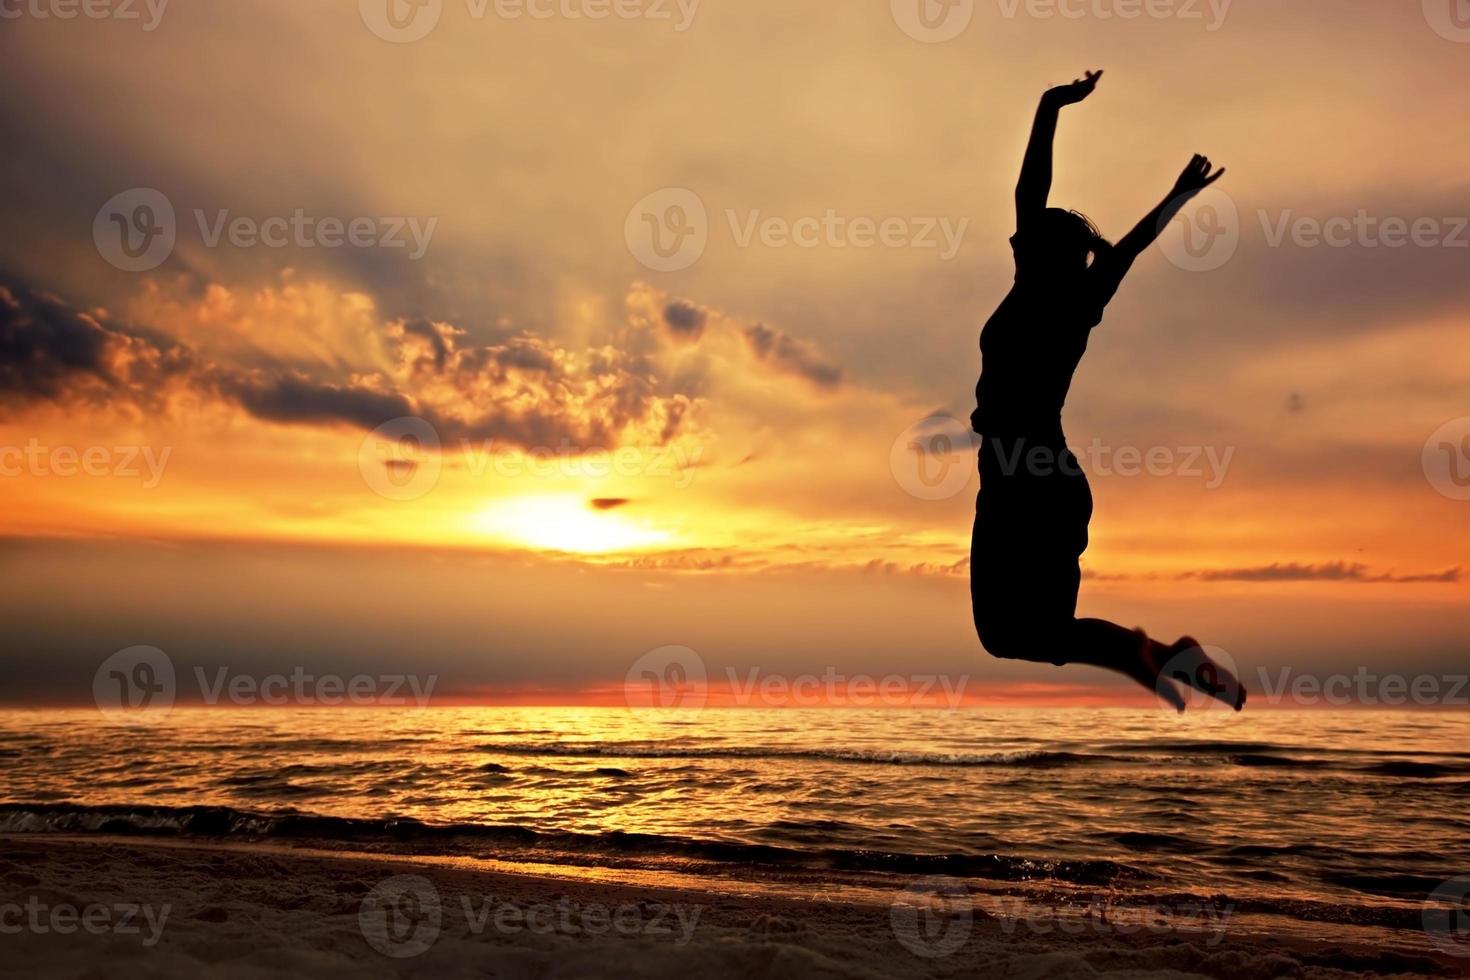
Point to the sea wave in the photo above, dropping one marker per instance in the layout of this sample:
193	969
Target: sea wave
1072	883
664	750
511	842
1249	754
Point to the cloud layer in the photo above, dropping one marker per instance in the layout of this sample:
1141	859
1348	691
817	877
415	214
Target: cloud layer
524	390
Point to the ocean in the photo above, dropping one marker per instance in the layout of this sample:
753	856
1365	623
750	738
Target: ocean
1316	823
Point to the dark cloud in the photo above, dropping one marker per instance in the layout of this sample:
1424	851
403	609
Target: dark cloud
521	391
786	353
297	400
1449	575
1336	571
942	434
685	320
44	344
879	566
50	351
609	503
438	342
445	355
658	319
523	353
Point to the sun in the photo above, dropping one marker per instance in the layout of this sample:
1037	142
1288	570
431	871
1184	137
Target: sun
566	523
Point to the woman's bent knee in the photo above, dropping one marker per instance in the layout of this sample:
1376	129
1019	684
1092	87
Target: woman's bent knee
1007	639
1003	641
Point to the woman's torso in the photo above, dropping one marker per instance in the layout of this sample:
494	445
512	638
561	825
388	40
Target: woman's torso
1030	348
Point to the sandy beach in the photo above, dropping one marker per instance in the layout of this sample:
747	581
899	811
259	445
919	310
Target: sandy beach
89	907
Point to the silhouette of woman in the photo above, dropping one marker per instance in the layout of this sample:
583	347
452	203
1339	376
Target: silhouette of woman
1034	503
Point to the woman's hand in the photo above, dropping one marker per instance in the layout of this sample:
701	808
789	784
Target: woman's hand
1071	94
1196	177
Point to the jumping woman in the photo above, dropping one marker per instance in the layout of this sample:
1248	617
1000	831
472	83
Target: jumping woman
1034	504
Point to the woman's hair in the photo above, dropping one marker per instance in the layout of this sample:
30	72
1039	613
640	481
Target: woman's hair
1071	238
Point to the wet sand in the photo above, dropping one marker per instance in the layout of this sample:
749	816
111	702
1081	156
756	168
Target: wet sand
92	907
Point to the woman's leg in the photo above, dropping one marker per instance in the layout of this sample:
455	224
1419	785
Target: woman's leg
1099	643
1025	609
1025	574
1063	641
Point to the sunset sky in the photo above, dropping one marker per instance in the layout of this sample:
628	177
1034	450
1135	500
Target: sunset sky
712	448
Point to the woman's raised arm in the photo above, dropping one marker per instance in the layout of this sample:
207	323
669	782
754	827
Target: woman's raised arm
1114	265
1034	187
